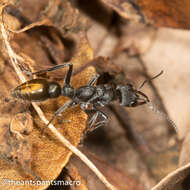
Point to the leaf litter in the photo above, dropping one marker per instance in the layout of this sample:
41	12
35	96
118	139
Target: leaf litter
47	163
133	47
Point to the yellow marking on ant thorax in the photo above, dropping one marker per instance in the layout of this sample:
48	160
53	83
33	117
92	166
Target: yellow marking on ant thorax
30	88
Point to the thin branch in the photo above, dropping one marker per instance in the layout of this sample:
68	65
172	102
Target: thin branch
14	61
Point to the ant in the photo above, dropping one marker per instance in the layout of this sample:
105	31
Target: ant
89	97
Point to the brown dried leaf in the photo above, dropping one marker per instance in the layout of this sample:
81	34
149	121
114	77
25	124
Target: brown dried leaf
177	180
73	174
185	152
21	124
10	21
43	151
15	149
166	51
165	13
125	8
136	39
120	179
2	63
59	14
170	48
41	156
158	150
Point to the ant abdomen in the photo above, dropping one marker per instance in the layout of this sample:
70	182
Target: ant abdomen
37	90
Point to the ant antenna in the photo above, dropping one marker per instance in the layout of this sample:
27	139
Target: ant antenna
148	80
152	108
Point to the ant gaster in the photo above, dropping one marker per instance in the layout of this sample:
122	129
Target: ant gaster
89	97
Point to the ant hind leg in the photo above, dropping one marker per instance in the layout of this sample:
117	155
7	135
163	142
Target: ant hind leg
57	67
58	112
25	70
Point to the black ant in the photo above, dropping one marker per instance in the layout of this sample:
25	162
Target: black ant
89	97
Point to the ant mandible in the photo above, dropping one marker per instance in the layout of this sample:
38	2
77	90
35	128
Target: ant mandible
89	97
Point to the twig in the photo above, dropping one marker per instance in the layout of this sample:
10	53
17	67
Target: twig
13	58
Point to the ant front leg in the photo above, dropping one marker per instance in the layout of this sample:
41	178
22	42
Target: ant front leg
142	99
92	123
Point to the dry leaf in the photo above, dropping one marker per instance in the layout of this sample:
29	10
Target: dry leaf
150	151
47	163
135	39
165	13
22	123
15	149
125	8
146	131
120	179
73	174
177	180
41	157
60	14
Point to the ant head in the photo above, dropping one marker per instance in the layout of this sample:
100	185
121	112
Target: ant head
130	97
68	91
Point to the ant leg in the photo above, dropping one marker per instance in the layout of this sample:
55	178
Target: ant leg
54	68
59	111
148	80
68	75
92	125
25	70
93	80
